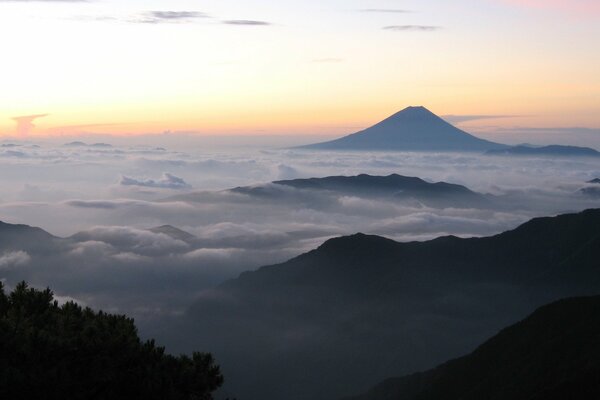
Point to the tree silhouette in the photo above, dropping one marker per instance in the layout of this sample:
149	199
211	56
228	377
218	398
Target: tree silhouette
49	351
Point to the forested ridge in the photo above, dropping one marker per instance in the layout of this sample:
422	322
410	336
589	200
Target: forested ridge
67	351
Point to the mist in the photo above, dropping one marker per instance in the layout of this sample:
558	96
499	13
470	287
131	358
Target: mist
103	197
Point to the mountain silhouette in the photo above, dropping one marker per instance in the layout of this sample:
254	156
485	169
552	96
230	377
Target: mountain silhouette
25	237
175	233
369	184
394	186
552	150
592	191
334	321
412	129
553	354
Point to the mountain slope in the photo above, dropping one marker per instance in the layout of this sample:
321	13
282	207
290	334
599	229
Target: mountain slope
552	354
325	192
25	237
394	186
552	150
296	325
367	184
593	190
175	233
412	129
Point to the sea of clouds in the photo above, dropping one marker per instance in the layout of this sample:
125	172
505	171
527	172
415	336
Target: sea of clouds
103	196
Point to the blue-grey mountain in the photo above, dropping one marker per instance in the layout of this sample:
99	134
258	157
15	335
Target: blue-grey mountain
27	238
412	129
392	187
551	150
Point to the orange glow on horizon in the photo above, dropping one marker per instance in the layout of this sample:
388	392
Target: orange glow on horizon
330	72
315	122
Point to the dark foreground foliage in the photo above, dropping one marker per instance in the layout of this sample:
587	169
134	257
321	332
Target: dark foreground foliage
49	351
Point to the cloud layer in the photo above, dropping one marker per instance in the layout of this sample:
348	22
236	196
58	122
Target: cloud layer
246	22
112	258
155	17
167	181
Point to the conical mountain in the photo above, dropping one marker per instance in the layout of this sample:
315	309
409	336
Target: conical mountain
412	129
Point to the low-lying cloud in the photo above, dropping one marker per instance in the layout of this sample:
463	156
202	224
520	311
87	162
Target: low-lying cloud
167	181
13	259
110	257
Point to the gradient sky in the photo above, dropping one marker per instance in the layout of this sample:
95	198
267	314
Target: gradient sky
264	66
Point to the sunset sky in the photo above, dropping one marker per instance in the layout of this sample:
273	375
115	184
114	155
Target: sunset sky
277	67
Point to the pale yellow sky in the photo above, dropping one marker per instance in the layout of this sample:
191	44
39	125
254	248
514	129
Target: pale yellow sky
294	67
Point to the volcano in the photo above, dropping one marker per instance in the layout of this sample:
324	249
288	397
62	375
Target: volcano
412	129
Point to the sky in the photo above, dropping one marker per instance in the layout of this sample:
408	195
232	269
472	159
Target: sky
313	67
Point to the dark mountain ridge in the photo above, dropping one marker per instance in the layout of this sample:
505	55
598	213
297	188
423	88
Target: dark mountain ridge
297	324
25	237
553	354
394	186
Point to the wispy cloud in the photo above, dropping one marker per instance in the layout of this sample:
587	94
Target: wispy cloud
405	28
167	181
156	17
247	22
13	259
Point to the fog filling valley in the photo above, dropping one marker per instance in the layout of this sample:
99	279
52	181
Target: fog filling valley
106	198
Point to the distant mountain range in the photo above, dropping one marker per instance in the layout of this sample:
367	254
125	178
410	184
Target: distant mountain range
412	129
597	180
358	309
394	186
554	354
25	237
83	144
552	150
